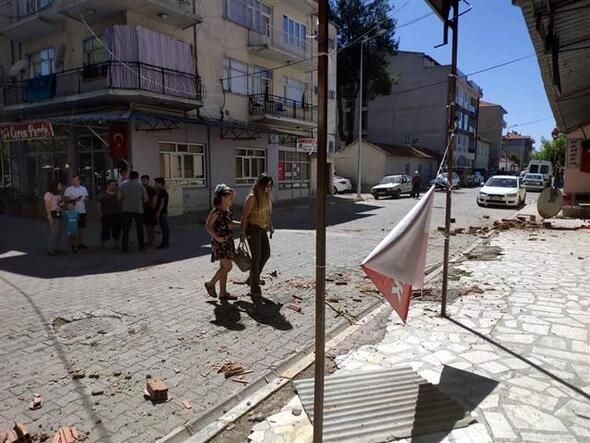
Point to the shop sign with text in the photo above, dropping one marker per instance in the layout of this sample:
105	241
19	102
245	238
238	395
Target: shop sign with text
14	132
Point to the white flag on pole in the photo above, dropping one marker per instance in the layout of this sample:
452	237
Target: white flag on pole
397	264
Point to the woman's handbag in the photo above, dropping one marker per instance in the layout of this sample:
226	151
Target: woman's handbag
242	257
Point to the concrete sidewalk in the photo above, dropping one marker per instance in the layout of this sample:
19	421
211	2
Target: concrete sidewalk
515	350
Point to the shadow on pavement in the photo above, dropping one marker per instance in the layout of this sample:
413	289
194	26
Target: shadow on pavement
520	357
265	312
227	315
100	432
437	414
23	243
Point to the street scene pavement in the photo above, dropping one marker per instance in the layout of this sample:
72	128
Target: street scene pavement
85	331
514	349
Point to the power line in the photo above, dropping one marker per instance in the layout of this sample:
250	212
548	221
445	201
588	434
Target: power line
530	122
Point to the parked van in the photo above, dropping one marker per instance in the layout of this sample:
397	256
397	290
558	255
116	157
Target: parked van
541	167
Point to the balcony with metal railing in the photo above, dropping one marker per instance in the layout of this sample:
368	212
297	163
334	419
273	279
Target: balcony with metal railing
27	20
281	46
280	111
105	83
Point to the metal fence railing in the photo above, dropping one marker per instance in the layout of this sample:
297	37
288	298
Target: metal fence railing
266	104
103	76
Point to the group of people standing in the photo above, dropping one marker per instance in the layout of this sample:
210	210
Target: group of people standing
121	204
118	206
255	226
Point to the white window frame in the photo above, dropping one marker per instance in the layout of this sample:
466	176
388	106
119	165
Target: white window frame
244	79
294	33
303	160
42	62
250	156
253	14
289	82
182	157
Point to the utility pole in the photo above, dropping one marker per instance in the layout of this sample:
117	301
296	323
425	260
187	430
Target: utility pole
451	132
322	178
360	138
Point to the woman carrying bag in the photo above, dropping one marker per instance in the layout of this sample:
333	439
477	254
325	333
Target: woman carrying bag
52	199
256	222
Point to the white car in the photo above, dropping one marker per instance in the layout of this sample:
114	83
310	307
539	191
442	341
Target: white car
534	182
341	184
392	186
502	190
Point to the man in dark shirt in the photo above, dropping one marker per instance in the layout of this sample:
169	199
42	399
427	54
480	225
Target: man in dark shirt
149	212
416	184
162	211
109	212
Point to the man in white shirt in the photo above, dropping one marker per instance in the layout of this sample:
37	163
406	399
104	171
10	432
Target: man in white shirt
79	194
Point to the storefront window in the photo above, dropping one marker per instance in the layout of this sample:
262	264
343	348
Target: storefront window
294	169
95	165
182	162
250	163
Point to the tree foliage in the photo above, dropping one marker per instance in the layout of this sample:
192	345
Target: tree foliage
354	19
552	150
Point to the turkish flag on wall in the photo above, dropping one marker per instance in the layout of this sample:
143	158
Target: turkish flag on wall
397	264
118	141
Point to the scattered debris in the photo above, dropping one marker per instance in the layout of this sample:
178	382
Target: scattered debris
274	274
231	369
294	307
156	390
240	380
341	282
117	374
93	376
37	402
333	300
296	412
68	434
186	404
97	392
176	370
452	220
18	434
486	217
358	300
441	229
78	374
297	297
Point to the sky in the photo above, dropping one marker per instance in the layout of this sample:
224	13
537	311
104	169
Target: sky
493	32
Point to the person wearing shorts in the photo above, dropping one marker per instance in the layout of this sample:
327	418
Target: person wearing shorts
78	194
109	212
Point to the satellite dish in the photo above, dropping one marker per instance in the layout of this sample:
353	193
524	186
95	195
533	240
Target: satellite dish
18	68
59	58
549	203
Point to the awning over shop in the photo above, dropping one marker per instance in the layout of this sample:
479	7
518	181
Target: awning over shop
162	121
561	36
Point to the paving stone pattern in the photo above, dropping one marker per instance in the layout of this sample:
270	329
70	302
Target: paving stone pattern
115	319
529	380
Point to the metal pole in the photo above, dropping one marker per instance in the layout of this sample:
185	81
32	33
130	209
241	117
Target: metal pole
451	129
360	139
322	178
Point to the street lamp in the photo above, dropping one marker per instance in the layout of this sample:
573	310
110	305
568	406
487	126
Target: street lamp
379	33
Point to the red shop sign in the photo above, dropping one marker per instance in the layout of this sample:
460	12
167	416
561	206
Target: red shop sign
14	132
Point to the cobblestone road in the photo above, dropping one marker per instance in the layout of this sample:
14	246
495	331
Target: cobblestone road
122	317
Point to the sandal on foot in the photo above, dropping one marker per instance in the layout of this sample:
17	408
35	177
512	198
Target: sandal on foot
210	290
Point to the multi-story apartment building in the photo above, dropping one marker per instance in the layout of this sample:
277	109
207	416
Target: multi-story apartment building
515	145
199	92
490	126
416	110
482	154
